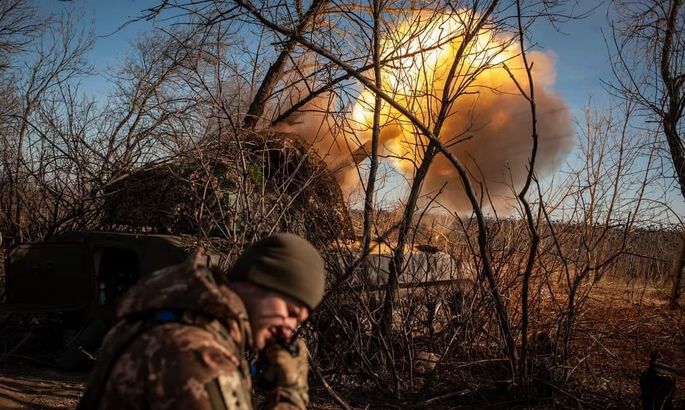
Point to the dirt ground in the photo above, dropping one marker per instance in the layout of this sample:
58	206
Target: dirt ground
622	324
27	386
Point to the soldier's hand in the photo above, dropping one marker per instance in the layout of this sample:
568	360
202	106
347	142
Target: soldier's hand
286	369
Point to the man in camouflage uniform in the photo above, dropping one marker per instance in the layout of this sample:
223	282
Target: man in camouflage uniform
183	332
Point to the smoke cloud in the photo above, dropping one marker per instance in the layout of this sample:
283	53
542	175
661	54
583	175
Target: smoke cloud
498	125
488	126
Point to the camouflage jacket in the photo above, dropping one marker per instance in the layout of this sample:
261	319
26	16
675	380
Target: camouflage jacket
180	344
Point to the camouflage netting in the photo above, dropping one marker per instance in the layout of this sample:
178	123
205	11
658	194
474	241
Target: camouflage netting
230	187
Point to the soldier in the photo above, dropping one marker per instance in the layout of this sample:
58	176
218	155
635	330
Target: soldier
183	332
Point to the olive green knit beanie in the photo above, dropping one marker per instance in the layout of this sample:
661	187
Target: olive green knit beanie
285	263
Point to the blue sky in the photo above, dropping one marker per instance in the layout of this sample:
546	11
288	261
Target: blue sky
581	54
581	57
111	40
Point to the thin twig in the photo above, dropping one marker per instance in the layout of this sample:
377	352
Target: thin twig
335	396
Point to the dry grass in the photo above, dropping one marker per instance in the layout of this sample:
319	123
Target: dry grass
622	323
618	327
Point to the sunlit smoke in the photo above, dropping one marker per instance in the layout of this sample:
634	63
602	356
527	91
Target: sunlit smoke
487	126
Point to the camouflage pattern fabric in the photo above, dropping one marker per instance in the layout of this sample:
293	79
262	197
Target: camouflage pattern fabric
287	371
193	361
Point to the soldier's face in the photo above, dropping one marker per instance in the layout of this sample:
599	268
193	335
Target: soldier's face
273	317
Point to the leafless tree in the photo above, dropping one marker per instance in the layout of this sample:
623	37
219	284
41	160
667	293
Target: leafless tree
602	212
18	25
38	92
649	69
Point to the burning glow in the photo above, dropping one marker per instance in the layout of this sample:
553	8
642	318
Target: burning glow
486	114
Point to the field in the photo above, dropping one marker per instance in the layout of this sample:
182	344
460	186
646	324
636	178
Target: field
622	324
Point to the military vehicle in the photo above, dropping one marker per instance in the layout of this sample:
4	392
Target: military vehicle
60	295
